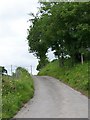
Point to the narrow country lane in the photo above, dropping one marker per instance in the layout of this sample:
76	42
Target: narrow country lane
53	99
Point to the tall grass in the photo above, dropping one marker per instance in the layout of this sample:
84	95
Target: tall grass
75	76
15	92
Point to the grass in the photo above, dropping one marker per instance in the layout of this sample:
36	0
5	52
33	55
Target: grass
76	76
16	91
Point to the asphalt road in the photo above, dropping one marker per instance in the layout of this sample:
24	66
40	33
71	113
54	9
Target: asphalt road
53	99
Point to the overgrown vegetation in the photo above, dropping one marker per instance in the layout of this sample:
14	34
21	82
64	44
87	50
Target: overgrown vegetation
62	26
16	90
75	76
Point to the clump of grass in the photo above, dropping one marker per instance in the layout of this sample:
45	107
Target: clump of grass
75	76
16	92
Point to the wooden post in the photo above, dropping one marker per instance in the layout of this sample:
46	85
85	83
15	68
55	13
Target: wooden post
81	58
31	69
11	70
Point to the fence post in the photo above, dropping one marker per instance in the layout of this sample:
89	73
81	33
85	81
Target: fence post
11	70
31	69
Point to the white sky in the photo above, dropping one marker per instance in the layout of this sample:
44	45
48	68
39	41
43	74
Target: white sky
13	33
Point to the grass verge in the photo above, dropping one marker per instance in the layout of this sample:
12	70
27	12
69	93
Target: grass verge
76	76
15	92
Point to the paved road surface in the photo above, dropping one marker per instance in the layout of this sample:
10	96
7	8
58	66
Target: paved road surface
54	99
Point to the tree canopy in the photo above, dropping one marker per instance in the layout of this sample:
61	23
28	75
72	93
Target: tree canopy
63	27
2	70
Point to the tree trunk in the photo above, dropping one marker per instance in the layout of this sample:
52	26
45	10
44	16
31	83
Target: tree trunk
62	59
59	60
73	59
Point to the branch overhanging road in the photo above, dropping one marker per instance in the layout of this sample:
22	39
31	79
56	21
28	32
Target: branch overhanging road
53	99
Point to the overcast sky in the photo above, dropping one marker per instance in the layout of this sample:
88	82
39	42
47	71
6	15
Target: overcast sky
13	33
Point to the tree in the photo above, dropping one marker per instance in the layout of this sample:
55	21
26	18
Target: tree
63	27
2	70
36	41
